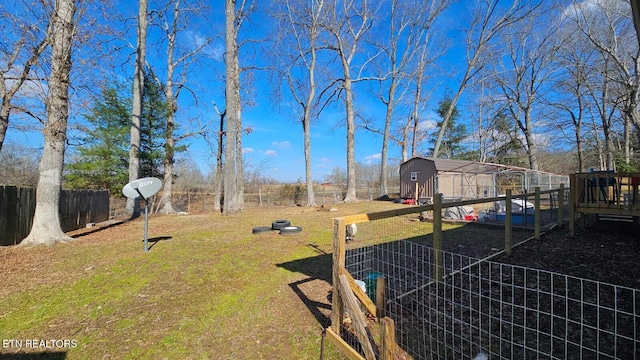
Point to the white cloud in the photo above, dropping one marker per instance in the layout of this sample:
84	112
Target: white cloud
282	144
325	160
370	159
209	48
247	150
427	125
271	153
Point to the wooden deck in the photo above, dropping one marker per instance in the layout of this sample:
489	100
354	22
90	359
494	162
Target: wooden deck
607	193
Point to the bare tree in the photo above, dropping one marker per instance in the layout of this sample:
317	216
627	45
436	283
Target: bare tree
19	165
46	222
608	26
409	37
172	23
575	60
233	178
217	206
19	56
348	23
524	76
133	206
489	18
299	41
613	84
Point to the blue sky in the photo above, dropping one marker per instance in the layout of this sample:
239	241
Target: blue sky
275	144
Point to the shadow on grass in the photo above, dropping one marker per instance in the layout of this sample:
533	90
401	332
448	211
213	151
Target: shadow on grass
320	267
316	268
157	239
98	228
57	355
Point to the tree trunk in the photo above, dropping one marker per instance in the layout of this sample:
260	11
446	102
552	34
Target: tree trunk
239	159
169	145
447	116
167	191
627	140
311	196
306	126
46	222
217	206
415	117
233	165
531	143
384	189
608	147
404	144
351	129
579	148
133	206
167	205
5	110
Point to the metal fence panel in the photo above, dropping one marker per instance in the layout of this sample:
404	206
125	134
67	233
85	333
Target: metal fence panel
504	311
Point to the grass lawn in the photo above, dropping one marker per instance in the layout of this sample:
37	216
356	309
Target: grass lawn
208	288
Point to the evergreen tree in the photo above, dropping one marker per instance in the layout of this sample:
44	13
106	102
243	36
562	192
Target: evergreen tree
508	150
153	125
451	145
101	161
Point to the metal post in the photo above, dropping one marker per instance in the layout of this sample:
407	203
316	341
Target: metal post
573	184
560	204
536	214
146	225
437	237
507	222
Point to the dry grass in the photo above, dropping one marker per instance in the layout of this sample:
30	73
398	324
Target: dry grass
209	288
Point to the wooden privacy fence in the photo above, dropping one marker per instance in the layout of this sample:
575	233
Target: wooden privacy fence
77	209
347	293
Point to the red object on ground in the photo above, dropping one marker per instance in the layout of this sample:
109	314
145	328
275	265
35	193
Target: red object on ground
409	201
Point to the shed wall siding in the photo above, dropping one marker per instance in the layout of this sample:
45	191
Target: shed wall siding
425	180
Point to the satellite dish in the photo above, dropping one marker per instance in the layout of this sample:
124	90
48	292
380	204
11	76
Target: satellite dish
145	188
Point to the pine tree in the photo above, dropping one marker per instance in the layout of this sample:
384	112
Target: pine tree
451	145
153	124
101	160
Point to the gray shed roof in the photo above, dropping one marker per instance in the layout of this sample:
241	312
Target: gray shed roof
473	167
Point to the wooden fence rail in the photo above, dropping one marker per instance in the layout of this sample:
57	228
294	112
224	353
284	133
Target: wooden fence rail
77	209
345	289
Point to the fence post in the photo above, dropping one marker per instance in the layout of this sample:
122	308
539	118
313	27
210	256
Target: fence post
339	239
536	213
560	204
388	330
572	205
507	223
381	286
358	321
437	237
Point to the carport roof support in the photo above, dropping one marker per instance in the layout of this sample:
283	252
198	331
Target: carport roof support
475	167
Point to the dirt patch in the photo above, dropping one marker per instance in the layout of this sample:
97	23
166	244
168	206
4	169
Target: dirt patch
607	252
